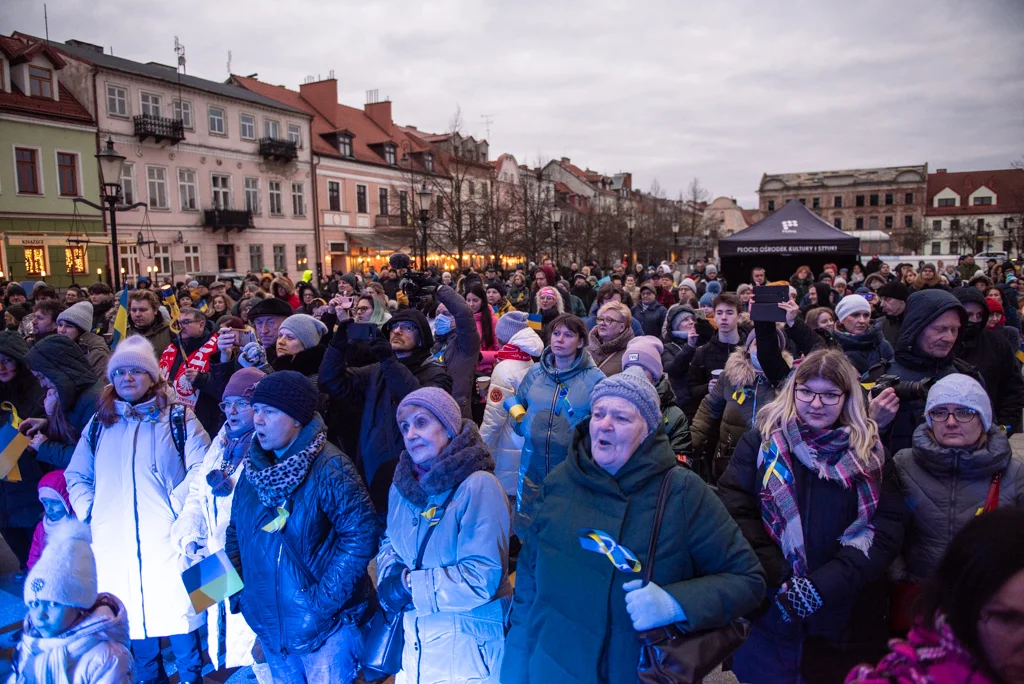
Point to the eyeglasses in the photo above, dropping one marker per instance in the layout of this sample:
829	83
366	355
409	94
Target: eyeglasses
404	327
133	372
187	321
827	398
606	320
233	406
364	309
868	296
962	414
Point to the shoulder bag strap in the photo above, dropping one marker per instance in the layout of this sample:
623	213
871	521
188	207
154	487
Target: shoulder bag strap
659	513
430	529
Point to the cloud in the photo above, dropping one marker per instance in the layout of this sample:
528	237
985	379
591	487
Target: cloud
667	89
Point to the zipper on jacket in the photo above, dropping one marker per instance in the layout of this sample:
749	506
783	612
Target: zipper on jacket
952	497
547	438
282	649
138	536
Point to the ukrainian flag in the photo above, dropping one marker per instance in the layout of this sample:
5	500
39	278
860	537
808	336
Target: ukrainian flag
1020	353
12	444
169	299
535	321
121	320
211	580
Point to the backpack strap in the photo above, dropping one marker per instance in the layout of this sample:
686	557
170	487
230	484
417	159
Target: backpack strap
178	432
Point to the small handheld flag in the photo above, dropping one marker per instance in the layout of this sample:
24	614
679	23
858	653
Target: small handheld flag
535	321
601	542
1020	353
12	445
211	580
121	320
170	300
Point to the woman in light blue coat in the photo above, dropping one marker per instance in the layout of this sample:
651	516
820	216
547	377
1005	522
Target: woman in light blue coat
444	561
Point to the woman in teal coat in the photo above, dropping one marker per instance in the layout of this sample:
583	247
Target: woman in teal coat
575	613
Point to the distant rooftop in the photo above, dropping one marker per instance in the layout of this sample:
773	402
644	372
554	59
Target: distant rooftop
809	179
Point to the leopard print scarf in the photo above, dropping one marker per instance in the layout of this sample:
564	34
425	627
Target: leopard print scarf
275	484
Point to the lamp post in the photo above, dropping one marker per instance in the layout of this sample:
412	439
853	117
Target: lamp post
675	240
556	218
111	165
630	223
425	197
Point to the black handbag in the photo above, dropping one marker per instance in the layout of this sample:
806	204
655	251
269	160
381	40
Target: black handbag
667	654
382	650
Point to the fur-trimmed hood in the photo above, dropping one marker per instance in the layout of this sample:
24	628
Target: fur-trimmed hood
740	372
465	454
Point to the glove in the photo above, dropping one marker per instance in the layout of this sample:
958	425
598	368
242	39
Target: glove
651	606
253	356
393	594
797	600
380	347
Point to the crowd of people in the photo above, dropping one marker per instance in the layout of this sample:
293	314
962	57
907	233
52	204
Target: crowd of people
529	469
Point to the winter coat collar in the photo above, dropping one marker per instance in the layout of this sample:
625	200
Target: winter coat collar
664	389
465	454
528	341
650	460
602	350
583	361
261	458
922	308
144	411
151	330
306	361
970	463
871	338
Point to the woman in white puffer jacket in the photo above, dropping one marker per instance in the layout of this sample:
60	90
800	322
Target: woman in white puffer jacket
520	346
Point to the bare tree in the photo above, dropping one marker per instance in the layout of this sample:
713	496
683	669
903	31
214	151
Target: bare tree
498	213
692	224
532	202
969	231
913	238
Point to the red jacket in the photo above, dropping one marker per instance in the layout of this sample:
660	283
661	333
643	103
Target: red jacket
667	298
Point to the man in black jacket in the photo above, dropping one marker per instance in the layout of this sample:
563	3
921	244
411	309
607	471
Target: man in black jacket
301	535
404	364
713	355
893	300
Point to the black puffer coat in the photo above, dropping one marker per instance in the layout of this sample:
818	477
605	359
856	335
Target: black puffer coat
19	501
677	353
864	350
708	357
303	582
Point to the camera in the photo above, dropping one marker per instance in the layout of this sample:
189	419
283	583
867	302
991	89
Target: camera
416	285
910	390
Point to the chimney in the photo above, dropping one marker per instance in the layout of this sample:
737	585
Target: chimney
82	44
380	113
940	170
565	160
323	95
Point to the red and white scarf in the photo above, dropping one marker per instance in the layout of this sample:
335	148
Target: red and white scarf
199	359
512	352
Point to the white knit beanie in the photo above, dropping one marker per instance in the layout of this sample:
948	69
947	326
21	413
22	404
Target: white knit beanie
851	304
960	390
78	315
66	571
134	352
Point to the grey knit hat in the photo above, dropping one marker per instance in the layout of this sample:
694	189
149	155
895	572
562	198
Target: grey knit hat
509	324
633	386
78	315
438	402
307	329
960	390
134	352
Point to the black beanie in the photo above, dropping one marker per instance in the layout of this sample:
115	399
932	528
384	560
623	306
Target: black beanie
894	290
290	392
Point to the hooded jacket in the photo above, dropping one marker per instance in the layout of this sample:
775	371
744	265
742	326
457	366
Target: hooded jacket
702	562
945	487
305	581
496	428
374	391
864	350
677	353
64	364
992	356
52	480
459	350
19	505
461	595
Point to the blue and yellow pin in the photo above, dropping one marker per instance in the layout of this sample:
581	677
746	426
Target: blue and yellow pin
433	515
601	542
278	523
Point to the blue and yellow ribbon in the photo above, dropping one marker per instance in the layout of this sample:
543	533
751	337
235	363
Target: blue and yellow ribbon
601	542
433	515
777	468
742	394
278	523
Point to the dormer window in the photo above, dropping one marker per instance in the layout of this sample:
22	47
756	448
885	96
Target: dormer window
345	145
40	82
389	155
428	162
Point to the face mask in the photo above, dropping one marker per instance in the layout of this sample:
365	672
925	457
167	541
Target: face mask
754	362
444	325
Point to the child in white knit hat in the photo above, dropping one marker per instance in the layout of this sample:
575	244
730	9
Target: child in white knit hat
72	634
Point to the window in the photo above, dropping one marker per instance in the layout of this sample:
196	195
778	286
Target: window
156	179
947	201
300	258
771	205
1007	246
837	201
40	82
471	187
252	197
27	162
117	101
129	259
247	126
954	224
150	104
35	260
225	258
162	259
128	183
888	198
295	134
981	225
256	258
1007	224
276	201
188	190
954	247
270	128
888	222
345	145
936	226
838	223
802	201
298	199
440	207
334	195
815	203
221	191
936	247
361	200
192	259
67	174
908	198
382	201
873	223
874	200
389	154
279	258
860	200
908	221
217	121
403	206
183	112
860	223
74	260
428	162
982	201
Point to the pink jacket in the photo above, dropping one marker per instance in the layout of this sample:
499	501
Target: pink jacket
52	481
488	354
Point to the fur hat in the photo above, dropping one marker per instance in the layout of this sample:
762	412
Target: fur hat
633	386
960	390
644	351
78	315
307	329
242	382
134	352
509	324
851	304
66	571
441	404
290	392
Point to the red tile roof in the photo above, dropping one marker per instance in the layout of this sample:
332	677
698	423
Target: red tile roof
562	187
18	51
1007	184
66	109
320	125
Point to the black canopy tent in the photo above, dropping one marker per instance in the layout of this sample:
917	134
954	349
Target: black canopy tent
792	236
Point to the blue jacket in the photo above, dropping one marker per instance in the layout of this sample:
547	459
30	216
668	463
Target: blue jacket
651	318
548	425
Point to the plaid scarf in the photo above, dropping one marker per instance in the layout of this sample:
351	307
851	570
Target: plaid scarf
275	484
827	454
512	352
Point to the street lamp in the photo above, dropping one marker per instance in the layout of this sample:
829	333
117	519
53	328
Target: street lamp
675	240
425	200
556	218
630	223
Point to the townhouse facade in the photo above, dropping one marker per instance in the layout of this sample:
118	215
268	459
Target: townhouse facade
975	211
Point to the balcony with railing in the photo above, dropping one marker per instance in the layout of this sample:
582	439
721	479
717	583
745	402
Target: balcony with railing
159	128
281	150
239	219
382	220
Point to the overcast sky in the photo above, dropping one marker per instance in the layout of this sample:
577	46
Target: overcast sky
723	91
